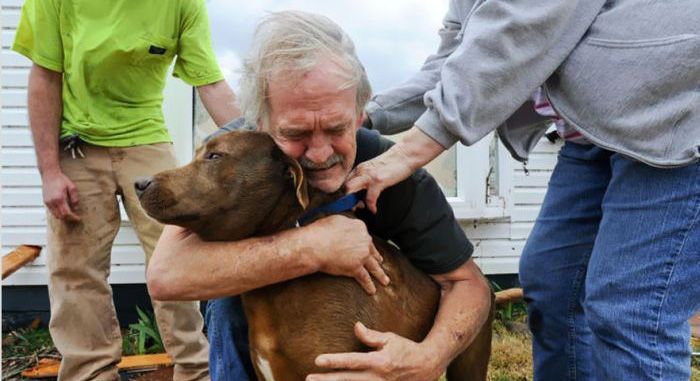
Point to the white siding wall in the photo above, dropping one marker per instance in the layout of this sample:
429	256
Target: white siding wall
23	221
499	242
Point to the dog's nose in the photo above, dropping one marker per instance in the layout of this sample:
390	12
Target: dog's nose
142	184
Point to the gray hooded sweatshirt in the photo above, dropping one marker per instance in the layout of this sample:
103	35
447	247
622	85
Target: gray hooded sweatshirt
625	73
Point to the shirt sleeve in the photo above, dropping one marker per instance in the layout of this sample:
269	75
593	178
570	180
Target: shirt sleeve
196	63
505	50
38	34
415	216
396	109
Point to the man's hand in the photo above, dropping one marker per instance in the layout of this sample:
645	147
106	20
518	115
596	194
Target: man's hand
393	166
396	358
345	248
60	196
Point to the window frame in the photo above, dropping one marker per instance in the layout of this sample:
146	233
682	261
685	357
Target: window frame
474	170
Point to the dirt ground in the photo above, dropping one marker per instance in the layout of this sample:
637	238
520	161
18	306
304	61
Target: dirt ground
164	374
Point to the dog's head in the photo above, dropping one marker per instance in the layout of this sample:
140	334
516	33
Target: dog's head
239	184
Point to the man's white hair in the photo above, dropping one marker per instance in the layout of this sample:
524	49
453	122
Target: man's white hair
295	42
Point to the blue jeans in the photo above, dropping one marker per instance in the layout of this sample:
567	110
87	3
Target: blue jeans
611	270
227	329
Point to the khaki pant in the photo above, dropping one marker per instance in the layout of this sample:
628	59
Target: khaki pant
83	323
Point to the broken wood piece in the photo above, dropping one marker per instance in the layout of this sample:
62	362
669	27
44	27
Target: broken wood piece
22	255
695	327
45	368
145	362
49	367
509	296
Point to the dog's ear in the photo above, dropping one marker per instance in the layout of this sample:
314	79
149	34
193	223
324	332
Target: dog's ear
294	171
300	186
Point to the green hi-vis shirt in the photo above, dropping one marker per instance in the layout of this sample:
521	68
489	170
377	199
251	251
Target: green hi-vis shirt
114	56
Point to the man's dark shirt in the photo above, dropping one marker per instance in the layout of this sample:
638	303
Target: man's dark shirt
412	214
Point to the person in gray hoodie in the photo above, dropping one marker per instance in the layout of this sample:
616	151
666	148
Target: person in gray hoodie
610	269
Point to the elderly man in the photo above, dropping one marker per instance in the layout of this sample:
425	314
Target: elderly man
304	85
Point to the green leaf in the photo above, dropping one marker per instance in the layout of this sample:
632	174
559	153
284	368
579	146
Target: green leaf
150	332
142	343
142	316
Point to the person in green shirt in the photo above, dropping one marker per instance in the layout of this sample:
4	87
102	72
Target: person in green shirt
95	113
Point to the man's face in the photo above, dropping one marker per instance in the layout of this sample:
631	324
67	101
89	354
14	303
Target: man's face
313	120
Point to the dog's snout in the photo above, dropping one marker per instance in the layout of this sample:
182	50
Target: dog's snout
142	184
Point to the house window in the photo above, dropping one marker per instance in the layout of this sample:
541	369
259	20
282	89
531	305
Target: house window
392	47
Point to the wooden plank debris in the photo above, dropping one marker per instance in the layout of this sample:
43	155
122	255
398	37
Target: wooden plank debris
695	326
138	363
510	295
14	260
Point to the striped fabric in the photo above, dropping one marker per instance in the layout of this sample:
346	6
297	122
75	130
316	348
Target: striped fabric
565	131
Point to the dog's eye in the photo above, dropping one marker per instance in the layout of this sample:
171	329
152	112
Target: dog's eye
213	155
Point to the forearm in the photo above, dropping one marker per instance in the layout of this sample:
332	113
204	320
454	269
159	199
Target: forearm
220	102
45	110
416	149
464	308
183	267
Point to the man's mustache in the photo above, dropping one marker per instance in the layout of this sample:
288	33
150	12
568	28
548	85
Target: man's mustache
308	164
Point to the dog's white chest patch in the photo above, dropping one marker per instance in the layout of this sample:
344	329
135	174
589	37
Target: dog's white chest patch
264	368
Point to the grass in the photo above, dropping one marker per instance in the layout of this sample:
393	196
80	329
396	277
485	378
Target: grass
511	354
22	348
511	347
695	362
142	337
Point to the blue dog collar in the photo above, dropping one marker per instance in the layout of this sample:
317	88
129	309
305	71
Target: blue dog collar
340	205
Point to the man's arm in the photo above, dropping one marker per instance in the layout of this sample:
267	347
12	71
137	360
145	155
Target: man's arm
45	110
220	102
464	308
184	267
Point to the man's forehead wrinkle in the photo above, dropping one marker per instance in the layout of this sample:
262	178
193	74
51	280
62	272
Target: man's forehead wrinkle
308	96
288	121
330	110
300	122
311	88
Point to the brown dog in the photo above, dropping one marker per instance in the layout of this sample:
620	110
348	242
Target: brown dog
253	189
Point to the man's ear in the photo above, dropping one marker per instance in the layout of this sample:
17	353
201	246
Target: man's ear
300	186
361	120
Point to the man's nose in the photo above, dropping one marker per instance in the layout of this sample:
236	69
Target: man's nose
140	185
319	150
